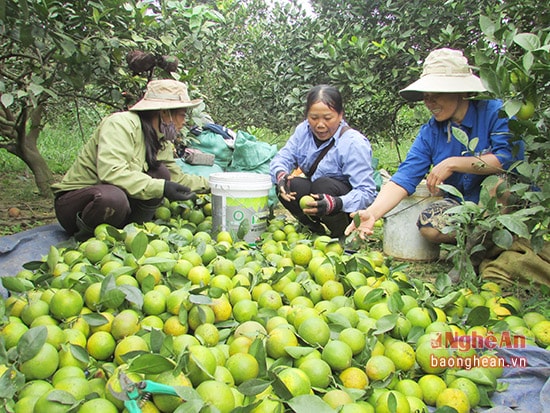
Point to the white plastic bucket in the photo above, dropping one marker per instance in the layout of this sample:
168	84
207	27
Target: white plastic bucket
240	199
402	239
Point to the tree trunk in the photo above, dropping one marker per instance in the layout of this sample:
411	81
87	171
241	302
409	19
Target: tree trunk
43	177
28	151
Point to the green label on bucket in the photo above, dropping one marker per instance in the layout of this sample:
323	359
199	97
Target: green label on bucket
228	214
256	204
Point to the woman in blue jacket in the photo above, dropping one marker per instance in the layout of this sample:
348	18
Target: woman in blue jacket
446	86
335	162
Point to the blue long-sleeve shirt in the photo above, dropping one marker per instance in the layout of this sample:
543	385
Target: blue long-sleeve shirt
350	160
435	143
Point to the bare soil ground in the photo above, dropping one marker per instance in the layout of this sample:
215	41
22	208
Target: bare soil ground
21	207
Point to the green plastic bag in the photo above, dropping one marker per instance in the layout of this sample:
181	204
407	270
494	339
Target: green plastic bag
215	144
252	155
201	170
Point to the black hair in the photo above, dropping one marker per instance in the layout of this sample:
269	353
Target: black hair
152	143
329	95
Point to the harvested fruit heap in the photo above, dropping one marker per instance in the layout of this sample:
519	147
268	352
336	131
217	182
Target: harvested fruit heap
291	323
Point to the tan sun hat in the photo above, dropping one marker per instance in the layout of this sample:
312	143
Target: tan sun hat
444	71
165	94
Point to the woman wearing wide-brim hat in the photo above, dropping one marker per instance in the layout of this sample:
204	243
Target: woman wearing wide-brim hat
447	86
127	167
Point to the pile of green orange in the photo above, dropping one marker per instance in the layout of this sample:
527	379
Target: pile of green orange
291	323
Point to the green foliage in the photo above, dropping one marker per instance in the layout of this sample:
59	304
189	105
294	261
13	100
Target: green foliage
264	61
58	51
250	79
52	53
51	58
266	135
514	64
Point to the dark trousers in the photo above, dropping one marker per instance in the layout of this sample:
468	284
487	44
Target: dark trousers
105	203
336	222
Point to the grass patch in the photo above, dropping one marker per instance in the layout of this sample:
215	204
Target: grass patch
389	155
69	139
18	185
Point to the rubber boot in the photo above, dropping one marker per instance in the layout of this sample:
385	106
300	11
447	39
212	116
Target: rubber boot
312	223
337	224
84	231
143	211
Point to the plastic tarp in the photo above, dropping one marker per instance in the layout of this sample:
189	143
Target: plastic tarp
202	170
26	246
528	388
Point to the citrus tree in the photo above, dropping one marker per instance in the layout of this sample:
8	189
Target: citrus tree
256	68
374	48
514	63
264	59
53	53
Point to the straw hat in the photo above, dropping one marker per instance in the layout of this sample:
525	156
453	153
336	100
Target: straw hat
444	71
165	94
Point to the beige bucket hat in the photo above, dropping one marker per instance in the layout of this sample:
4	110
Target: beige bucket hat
445	71
165	94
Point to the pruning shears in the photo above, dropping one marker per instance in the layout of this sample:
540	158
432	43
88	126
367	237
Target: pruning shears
135	392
